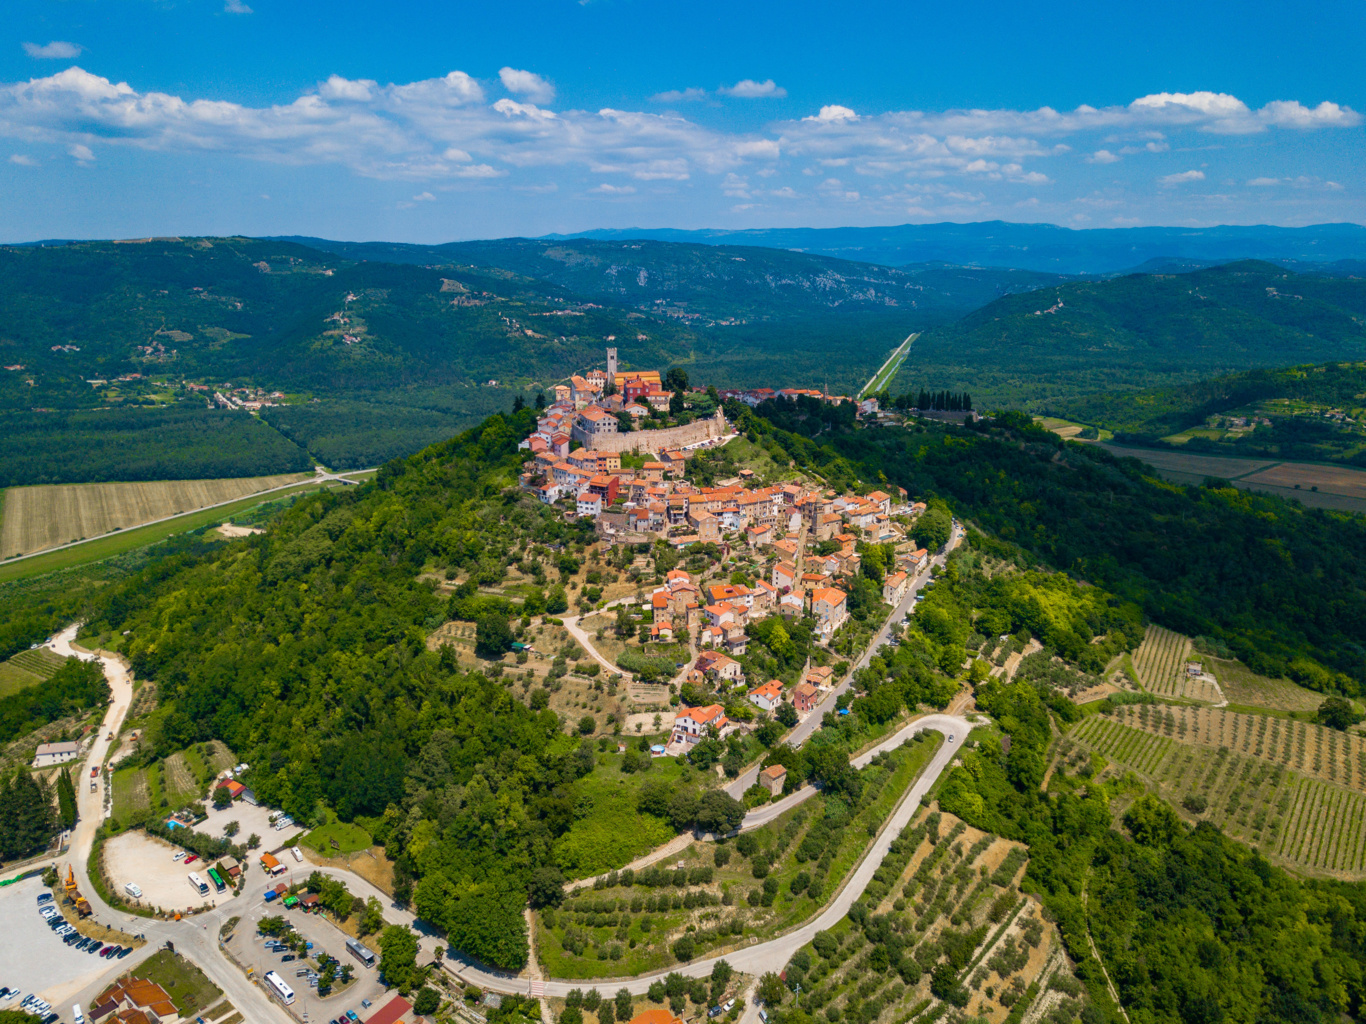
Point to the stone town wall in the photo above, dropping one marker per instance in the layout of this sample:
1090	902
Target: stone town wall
658	440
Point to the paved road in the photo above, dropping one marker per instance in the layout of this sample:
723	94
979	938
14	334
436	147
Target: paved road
771	955
803	730
196	937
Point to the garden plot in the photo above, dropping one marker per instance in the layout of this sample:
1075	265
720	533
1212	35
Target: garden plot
1160	661
1294	819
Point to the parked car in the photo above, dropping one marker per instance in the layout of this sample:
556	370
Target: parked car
124	952
287	958
351	1015
7	993
96	947
45	897
109	952
191	858
133	890
179	855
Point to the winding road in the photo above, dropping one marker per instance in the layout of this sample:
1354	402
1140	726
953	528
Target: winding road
197	936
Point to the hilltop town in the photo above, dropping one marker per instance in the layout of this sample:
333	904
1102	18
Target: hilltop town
776	547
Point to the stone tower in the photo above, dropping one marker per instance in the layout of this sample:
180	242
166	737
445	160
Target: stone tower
611	365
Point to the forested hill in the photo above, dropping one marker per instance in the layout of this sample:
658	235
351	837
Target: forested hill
723	282
1282	585
290	317
1141	331
321	623
1300	393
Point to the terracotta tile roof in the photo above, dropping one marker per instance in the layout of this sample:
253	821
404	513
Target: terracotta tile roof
390	1011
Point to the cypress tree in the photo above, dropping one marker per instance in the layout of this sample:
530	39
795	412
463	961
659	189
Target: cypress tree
66	798
26	817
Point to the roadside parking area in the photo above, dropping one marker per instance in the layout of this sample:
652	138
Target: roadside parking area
149	863
249	947
40	962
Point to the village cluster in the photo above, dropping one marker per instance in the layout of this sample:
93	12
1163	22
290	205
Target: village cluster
803	540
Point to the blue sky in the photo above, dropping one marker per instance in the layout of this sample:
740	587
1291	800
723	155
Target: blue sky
436	121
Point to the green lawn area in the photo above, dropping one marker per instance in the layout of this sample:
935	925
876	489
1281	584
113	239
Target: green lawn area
351	838
614	833
185	983
27	668
127	540
13	678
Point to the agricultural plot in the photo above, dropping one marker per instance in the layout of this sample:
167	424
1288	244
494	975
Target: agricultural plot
713	899
28	668
36	518
945	894
1291	818
1243	686
1161	665
1310	749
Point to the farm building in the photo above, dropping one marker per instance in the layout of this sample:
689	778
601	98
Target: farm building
56	753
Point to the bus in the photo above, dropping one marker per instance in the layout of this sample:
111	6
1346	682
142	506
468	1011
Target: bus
275	986
360	952
198	884
217	880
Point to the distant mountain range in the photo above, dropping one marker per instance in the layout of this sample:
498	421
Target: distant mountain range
1140	331
701	282
1039	247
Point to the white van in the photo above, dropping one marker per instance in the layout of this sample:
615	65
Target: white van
76	1013
133	890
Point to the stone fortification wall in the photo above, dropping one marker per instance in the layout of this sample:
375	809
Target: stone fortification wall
659	440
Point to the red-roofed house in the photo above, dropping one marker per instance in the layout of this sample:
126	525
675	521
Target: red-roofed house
391	1012
692	724
830	608
805	697
768	696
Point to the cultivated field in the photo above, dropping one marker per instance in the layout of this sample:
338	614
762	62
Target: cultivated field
1290	817
1339	487
27	668
1160	662
1243	686
1350	483
36	518
178	780
945	884
1312	749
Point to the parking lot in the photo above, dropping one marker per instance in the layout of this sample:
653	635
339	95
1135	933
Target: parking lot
150	863
48	966
249	820
249	948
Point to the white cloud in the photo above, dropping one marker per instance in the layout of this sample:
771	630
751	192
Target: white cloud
236	7
424	197
338	88
749	89
607	189
55	50
1264	182
527	84
1292	114
445	129
23	160
689	95
833	112
81	152
1182	177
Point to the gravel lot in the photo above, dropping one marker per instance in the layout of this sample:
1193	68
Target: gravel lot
48	965
148	862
